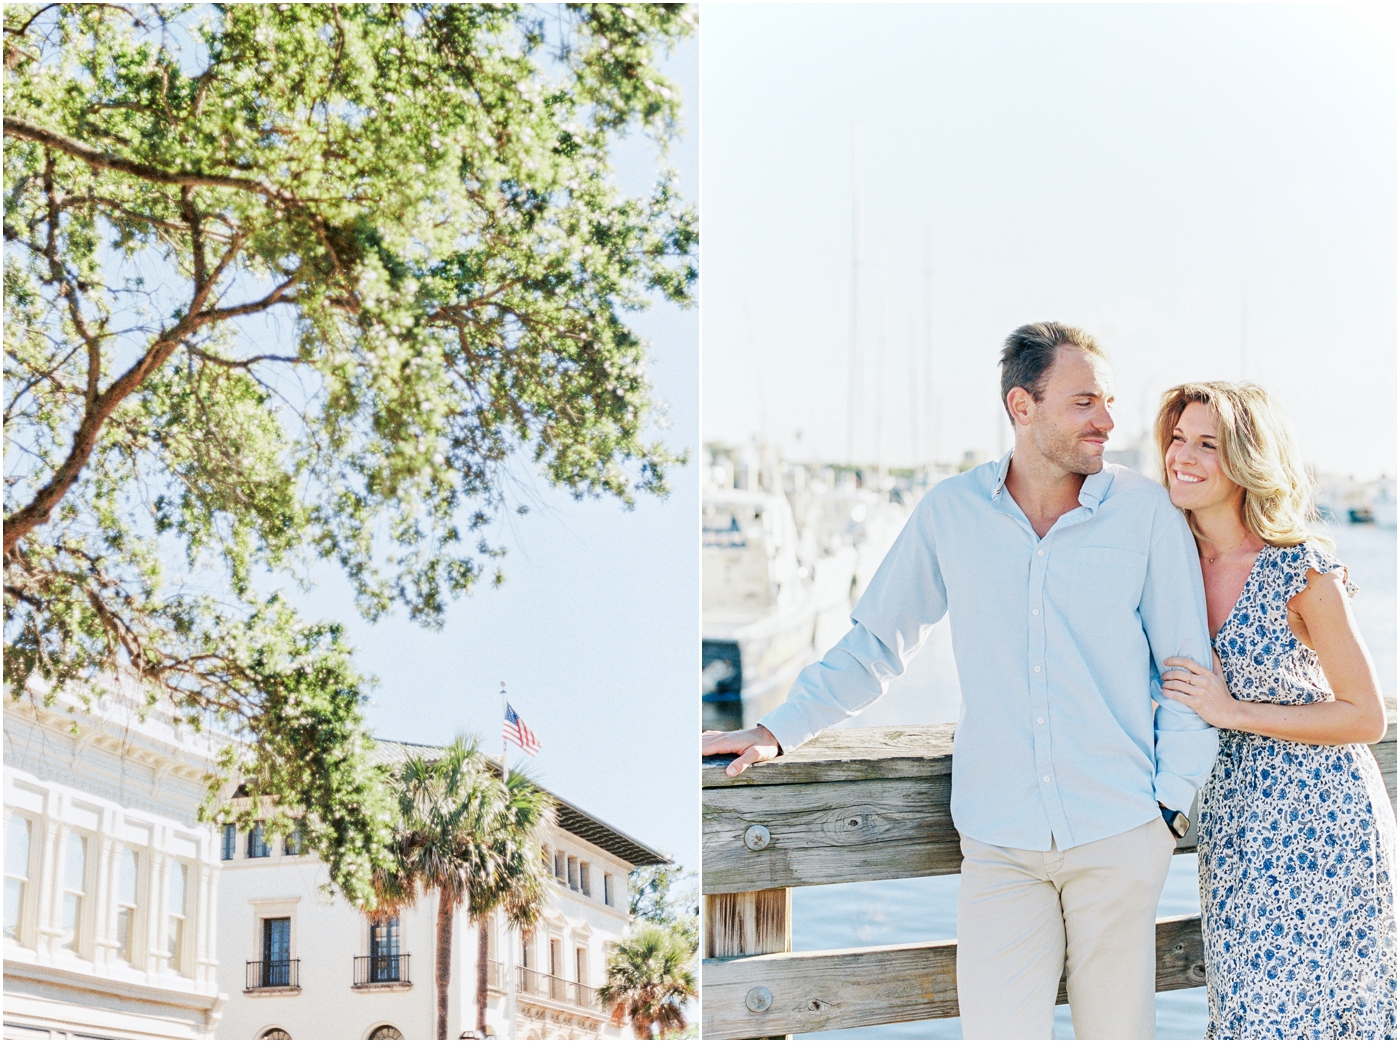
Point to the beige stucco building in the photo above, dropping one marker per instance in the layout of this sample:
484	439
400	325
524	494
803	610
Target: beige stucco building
295	965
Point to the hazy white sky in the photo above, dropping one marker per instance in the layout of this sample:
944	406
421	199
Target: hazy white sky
595	629
1210	190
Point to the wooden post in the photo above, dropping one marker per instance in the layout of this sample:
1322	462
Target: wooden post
750	923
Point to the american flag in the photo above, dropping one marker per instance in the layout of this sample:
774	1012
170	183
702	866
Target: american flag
517	731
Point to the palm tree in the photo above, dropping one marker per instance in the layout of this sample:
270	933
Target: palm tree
520	883
475	841
651	975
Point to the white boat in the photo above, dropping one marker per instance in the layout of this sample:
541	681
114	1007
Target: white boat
1383	504
761	604
848	516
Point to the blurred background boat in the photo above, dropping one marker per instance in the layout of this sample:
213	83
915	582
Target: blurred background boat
788	548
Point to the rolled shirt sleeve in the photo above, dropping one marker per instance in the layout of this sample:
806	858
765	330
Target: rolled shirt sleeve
1173	611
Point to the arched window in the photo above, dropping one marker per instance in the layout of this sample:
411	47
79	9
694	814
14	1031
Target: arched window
276	1034
386	1032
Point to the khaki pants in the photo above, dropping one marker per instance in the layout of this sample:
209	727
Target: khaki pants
1024	917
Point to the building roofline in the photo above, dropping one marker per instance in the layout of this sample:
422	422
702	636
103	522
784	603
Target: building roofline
571	817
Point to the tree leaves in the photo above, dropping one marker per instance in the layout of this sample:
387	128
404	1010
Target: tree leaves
288	281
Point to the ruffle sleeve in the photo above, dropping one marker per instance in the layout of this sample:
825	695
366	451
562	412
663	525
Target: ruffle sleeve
1297	560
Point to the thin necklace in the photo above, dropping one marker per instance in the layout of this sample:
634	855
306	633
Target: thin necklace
1231	550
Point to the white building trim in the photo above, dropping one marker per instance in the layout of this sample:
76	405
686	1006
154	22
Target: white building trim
92	947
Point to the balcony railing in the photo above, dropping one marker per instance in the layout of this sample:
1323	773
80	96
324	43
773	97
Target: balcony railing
560	990
390	969
272	974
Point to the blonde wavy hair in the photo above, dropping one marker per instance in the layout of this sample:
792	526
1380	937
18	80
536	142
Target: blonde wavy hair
1257	451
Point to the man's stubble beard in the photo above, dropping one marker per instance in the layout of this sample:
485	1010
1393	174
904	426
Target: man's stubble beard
1067	452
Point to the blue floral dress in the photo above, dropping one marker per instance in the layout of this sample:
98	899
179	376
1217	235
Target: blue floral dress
1296	845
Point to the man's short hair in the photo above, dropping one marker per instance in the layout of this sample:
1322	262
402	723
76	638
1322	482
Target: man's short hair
1031	350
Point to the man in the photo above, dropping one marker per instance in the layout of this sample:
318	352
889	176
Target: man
1067	584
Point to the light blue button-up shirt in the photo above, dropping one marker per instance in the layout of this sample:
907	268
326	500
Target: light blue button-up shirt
1059	644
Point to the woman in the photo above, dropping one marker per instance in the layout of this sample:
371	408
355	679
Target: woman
1296	831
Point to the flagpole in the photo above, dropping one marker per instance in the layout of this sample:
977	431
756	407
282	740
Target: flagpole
504	747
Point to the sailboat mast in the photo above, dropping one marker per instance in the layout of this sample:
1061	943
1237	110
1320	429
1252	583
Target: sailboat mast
933	418
881	289
853	379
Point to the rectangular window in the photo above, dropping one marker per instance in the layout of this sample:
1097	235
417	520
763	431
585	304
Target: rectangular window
573	873
230	850
74	891
585	878
277	952
581	965
17	843
128	870
257	842
559	863
607	889
291	843
177	912
384	949
527	941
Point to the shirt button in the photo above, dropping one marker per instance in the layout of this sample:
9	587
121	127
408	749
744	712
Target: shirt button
1040	553
1037	669
1040	720
1035	611
1046	779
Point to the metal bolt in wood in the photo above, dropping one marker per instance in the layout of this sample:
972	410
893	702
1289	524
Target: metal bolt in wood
756	838
759	999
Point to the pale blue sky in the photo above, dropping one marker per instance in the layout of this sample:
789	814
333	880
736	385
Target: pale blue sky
595	628
1151	172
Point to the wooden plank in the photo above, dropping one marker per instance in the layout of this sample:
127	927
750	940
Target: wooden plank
880	985
826	833
870	829
837	989
846	754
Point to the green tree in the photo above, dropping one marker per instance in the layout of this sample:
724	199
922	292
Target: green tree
288	282
474	840
650	979
668	896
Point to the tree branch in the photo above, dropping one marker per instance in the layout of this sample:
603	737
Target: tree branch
277	296
19	128
37	511
191	215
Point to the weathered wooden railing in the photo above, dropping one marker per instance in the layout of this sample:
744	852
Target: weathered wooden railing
854	804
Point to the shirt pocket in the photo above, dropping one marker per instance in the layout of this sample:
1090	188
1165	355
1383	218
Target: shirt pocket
1105	589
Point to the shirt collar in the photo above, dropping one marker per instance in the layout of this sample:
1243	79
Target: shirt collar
1002	468
1095	488
1091	493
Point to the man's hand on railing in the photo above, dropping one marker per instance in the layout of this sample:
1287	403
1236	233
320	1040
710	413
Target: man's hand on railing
753	745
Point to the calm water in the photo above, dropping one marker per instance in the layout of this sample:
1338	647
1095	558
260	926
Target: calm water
901	911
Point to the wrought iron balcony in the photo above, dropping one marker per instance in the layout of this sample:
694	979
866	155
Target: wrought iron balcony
382	970
560	990
272	974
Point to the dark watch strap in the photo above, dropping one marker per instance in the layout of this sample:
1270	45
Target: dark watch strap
1178	823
